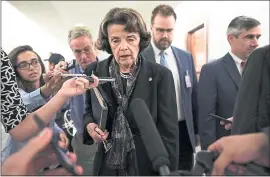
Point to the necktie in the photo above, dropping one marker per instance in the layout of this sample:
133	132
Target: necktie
243	64
163	60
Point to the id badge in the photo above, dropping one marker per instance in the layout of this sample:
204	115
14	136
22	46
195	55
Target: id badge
187	80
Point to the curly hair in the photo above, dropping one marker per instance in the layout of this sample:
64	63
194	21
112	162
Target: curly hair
133	22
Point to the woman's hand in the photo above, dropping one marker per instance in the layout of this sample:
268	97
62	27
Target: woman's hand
77	86
51	80
97	134
35	156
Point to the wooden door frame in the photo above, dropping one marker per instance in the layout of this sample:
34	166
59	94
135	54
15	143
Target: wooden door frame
202	25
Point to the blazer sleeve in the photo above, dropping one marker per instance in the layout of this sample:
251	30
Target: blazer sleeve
88	113
194	98
207	96
167	120
13	111
252	102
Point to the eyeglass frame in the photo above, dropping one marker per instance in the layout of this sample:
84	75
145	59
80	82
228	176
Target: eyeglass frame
31	63
88	49
162	31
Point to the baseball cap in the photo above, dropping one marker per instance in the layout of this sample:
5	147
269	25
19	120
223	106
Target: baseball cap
55	58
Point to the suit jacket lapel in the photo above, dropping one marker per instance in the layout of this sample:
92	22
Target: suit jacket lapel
148	53
180	65
144	79
232	69
103	71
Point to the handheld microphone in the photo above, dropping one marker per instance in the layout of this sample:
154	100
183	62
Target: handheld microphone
151	139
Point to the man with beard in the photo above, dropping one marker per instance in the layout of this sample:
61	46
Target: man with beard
220	79
181	64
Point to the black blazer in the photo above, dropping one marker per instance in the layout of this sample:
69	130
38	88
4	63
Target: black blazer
252	107
155	86
217	91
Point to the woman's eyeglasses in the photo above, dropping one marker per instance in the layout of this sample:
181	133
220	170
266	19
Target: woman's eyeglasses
25	65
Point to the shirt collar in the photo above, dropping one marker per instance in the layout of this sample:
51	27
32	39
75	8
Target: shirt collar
157	51
236	59
81	69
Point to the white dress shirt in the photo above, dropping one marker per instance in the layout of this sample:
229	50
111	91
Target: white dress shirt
172	65
238	62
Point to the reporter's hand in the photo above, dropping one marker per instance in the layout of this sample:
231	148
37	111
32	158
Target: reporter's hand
97	134
60	67
34	157
63	140
77	86
240	149
47	76
227	126
51	81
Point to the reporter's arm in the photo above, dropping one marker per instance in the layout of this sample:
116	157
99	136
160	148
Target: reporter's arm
70	88
46	113
26	161
14	116
240	149
33	99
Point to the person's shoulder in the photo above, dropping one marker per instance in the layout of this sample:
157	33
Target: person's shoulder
183	52
155	67
259	56
217	61
214	65
183	55
265	50
100	63
92	66
4	56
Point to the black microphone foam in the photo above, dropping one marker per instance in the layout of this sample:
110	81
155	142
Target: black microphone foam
150	136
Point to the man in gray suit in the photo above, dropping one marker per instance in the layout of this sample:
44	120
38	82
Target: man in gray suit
220	79
181	64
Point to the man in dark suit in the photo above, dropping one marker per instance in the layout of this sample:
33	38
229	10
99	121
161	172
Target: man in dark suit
181	64
220	79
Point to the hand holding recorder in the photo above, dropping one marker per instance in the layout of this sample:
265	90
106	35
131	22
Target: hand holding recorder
35	156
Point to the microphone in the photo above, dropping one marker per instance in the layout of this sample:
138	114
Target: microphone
150	137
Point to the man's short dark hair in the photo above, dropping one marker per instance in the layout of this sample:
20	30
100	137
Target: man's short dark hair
241	23
164	10
133	22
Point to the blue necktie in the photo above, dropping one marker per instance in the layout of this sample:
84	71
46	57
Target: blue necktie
163	60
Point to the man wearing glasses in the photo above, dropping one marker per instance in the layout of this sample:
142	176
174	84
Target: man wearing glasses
181	64
82	45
